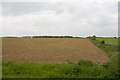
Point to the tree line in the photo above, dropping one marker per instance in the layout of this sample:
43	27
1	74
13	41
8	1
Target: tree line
50	37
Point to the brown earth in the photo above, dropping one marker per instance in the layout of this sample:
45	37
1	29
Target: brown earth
51	50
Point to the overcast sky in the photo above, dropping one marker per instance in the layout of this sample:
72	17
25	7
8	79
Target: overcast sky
83	18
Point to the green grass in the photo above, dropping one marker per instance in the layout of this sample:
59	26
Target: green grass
111	41
111	48
82	69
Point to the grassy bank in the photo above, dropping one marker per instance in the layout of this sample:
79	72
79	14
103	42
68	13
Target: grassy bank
111	47
82	69
110	41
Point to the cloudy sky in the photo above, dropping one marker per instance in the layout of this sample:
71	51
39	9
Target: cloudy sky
82	18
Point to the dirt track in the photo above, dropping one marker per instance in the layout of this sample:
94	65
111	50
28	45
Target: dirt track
51	50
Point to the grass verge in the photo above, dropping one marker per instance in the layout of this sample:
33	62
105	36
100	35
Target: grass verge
82	69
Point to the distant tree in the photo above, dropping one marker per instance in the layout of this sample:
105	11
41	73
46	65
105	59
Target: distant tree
94	37
88	37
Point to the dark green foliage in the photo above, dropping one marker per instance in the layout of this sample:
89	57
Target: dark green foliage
103	42
92	37
52	36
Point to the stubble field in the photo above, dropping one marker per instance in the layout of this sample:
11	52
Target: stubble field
50	50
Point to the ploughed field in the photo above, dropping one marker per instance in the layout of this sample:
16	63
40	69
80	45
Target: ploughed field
51	50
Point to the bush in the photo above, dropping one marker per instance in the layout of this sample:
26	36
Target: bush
92	37
103	42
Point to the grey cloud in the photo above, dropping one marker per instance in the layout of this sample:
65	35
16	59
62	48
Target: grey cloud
56	18
22	8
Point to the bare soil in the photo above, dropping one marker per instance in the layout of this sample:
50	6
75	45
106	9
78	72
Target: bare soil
51	50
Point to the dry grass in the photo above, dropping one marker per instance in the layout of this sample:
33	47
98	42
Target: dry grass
51	50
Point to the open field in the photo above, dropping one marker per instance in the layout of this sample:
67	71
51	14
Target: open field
20	68
51	50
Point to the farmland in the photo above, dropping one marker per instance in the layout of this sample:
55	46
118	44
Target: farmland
51	50
58	57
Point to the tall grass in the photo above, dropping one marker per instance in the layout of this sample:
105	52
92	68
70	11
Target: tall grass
82	69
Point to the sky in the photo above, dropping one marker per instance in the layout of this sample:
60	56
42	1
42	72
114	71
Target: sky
75	18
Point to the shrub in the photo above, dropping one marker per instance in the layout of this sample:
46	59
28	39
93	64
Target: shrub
92	37
103	42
